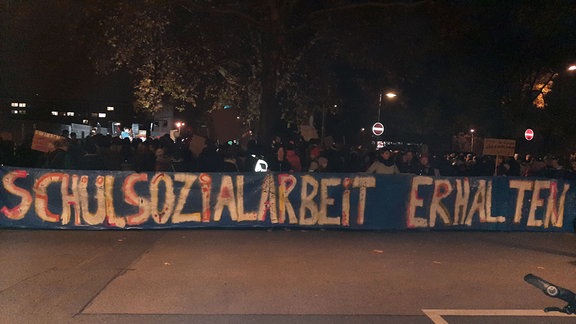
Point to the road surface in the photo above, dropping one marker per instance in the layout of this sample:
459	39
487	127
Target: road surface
278	276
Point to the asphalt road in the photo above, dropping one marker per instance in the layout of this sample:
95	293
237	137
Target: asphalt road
265	276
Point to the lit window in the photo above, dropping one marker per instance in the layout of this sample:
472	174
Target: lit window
14	112
110	108
14	104
54	113
70	113
85	121
101	115
21	104
22	112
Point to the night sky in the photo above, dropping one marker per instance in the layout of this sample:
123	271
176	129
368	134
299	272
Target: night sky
459	55
40	59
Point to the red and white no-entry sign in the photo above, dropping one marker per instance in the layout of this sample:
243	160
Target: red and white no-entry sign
529	134
377	129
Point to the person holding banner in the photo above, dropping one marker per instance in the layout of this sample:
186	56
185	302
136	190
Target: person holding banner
384	163
425	168
279	162
57	157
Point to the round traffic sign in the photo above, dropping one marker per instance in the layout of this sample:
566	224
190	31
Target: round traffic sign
529	134
377	129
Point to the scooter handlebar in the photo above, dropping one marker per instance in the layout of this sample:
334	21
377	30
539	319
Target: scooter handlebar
552	290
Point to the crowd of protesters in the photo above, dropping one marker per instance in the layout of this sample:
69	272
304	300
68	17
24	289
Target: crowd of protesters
105	152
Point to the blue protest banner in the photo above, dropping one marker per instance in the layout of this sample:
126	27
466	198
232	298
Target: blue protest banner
38	198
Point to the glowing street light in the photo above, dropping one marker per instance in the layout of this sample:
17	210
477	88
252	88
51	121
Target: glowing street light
179	125
472	140
323	120
390	96
572	68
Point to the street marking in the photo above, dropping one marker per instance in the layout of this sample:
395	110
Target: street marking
436	315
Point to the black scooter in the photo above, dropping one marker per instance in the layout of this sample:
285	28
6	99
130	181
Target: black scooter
554	291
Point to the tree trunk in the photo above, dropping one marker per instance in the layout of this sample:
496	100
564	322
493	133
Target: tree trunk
270	112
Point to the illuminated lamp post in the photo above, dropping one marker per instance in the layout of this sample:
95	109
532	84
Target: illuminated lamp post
179	125
390	96
472	140
322	130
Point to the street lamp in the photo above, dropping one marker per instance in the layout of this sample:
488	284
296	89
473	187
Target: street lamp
179	125
390	96
572	67
472	140
322	131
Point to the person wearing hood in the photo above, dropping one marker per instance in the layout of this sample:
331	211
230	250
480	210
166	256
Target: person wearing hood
384	164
